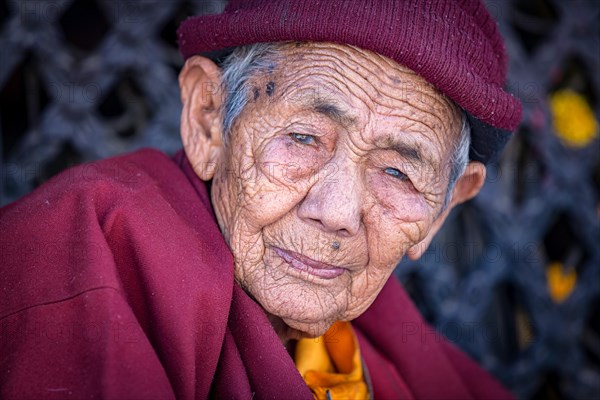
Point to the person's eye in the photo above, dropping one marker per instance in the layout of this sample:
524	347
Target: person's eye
396	173
303	139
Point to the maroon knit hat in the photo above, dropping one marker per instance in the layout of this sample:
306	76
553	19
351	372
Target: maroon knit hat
453	44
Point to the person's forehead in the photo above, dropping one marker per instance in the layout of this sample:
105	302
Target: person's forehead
350	64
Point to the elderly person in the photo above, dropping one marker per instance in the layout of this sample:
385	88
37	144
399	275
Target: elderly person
323	141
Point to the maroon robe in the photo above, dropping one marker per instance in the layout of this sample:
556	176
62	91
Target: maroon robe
115	282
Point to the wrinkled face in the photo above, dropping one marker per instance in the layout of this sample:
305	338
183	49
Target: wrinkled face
334	169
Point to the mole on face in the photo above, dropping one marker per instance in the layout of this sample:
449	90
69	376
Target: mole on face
270	88
256	93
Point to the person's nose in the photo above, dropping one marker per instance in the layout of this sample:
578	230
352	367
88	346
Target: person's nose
333	202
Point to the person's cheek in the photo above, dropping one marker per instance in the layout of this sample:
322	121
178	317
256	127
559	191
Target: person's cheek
295	165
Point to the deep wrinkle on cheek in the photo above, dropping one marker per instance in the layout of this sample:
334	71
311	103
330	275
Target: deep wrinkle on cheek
402	204
284	163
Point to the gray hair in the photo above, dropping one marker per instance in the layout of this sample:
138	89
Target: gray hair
238	68
460	158
246	61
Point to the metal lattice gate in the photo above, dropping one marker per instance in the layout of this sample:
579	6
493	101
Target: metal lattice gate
514	276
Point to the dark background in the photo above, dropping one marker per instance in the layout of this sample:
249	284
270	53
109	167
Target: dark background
513	278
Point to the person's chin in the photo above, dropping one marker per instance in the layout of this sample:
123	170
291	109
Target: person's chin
302	321
309	322
309	331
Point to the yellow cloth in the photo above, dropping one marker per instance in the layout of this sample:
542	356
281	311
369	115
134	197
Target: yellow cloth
331	363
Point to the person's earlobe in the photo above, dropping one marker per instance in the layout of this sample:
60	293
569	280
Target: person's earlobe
201	127
466	187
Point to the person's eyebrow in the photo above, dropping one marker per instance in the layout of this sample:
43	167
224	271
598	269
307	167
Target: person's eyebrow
326	107
333	112
409	151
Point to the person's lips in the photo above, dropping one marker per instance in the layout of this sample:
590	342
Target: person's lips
308	265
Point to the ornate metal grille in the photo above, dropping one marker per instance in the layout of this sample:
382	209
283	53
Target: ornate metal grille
513	278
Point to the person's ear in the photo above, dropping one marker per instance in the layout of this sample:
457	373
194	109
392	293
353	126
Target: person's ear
201	127
467	187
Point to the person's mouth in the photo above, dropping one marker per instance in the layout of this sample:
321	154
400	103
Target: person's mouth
308	265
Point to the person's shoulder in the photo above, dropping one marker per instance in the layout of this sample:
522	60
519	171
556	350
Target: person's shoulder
124	174
102	182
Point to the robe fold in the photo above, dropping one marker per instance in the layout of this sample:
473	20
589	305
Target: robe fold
115	282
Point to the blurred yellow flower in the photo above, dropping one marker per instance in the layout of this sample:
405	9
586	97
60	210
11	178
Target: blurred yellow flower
560	282
573	119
